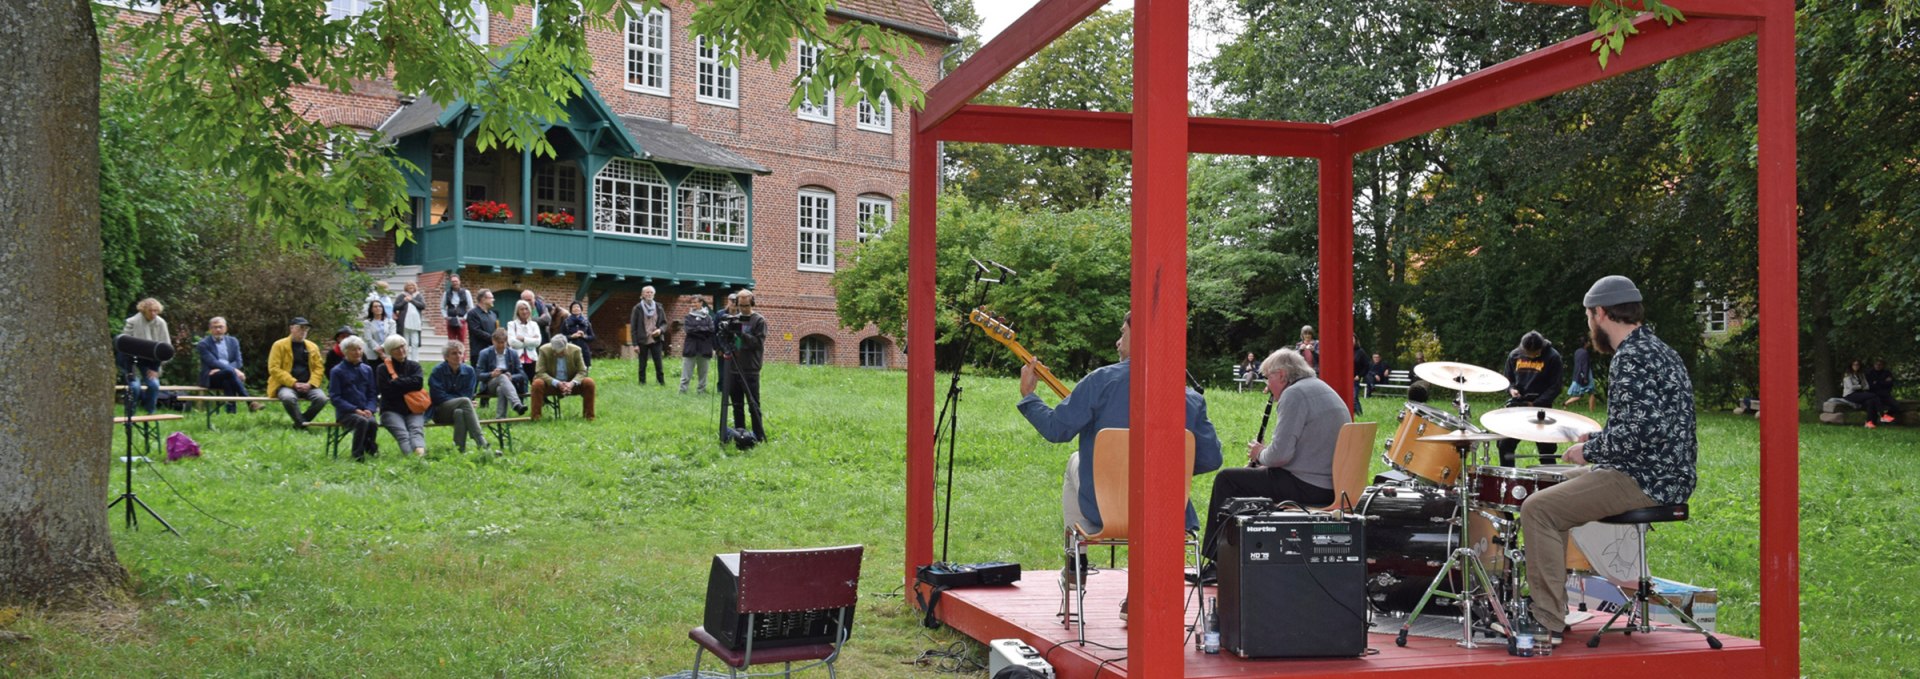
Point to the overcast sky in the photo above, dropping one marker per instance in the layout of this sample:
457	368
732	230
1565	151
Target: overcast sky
996	14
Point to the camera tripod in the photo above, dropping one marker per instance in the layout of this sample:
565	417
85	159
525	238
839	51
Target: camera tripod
132	500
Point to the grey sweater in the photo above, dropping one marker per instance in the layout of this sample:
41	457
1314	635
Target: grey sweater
1306	427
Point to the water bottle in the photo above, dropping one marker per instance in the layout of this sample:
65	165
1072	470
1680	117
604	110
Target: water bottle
1210	639
1520	635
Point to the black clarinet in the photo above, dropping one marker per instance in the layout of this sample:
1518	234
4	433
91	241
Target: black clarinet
1262	436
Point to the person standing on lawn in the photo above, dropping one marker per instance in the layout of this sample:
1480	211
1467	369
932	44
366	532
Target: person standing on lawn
647	325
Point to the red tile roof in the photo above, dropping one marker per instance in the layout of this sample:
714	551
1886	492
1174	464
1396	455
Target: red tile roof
918	13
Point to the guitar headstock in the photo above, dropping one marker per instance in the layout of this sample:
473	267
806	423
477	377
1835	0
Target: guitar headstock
988	323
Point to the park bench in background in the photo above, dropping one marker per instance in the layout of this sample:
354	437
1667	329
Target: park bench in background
501	429
212	403
1842	411
1397	380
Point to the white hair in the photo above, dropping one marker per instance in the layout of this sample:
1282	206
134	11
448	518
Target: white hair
352	342
1287	361
558	340
394	341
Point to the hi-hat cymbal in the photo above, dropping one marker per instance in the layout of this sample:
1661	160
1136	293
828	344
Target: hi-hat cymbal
1461	376
1539	425
1461	437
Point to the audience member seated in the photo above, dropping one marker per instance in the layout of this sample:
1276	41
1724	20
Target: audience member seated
1377	373
220	363
1853	388
399	377
1298	464
501	375
335	356
295	370
1246	370
451	387
354	400
1880	382
561	371
146	325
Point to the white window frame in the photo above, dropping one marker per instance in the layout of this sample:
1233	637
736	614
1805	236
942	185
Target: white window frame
481	18
648	188
1715	316
142	6
711	65
870	207
875	118
664	52
820	342
714	198
806	55
875	348
807	227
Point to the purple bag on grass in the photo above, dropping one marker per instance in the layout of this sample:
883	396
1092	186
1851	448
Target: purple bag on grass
180	445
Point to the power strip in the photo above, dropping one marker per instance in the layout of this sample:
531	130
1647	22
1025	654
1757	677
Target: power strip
1005	653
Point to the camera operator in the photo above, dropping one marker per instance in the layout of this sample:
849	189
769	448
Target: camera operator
743	335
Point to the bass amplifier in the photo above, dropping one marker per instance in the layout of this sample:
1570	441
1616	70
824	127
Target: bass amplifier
1293	585
770	630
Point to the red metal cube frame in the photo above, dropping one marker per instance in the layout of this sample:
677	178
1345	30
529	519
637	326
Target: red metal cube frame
1161	135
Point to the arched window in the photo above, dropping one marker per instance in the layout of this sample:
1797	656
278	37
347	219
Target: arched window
713	209
814	350
873	352
630	197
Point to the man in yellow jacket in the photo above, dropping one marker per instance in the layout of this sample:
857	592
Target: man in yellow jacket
295	371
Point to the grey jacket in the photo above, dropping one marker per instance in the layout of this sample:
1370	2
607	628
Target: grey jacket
1306	427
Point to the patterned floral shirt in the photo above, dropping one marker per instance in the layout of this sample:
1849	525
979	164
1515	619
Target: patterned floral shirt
1650	429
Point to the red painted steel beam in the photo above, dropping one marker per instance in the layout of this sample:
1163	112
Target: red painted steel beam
1049	19
1087	129
1688	8
922	211
1156	488
1539	74
1336	275
1779	346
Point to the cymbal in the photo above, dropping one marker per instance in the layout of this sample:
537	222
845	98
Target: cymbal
1461	376
1461	437
1539	425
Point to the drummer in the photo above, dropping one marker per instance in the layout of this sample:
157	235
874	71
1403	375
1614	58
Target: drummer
1644	457
1298	464
1533	374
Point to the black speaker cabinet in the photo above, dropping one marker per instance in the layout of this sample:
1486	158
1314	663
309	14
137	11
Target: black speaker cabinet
1293	585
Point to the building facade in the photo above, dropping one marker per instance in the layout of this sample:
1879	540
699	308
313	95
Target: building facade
673	170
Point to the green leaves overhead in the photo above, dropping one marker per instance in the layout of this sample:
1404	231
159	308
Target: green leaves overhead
225	89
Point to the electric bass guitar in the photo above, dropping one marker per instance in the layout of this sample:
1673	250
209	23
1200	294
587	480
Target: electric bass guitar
1004	335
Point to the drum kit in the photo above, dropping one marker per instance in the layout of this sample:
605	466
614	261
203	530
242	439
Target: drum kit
1442	535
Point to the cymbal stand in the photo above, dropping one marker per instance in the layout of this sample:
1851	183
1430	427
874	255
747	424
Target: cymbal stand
1475	582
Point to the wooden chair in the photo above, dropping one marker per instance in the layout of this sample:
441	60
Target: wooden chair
782	583
1110	467
1350	463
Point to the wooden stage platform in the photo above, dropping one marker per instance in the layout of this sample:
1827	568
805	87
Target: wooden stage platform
1026	611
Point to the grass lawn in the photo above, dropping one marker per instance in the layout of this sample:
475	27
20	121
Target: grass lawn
586	553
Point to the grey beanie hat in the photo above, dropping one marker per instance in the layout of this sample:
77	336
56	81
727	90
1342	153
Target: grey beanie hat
1610	291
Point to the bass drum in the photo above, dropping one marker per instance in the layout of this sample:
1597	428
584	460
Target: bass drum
1410	531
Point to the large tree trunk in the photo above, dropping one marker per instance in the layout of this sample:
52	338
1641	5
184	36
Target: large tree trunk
55	446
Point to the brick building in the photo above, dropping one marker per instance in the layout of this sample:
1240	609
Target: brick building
680	173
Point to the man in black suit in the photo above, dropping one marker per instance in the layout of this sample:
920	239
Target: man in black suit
481	321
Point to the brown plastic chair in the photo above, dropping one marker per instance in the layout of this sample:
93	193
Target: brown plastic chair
789	581
1110	466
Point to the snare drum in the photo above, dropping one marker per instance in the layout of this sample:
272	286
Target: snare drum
1433	463
1410	532
1504	488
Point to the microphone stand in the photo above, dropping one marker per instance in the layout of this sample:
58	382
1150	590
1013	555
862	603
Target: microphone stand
948	421
133	520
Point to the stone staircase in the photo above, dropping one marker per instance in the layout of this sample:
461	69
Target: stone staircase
433	336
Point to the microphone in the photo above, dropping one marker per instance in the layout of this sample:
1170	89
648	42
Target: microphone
981	271
146	350
1010	272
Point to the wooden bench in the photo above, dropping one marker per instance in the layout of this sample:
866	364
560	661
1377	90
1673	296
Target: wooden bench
500	428
1398	380
1842	411
212	403
118	388
1747	406
148	426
